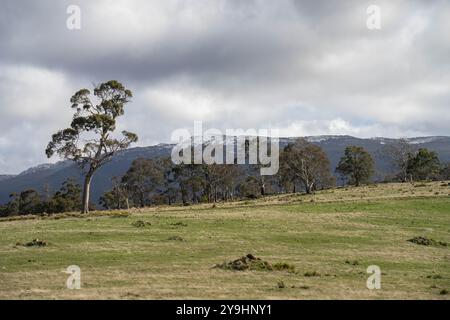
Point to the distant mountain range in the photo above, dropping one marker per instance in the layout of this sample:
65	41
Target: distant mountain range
50	176
6	176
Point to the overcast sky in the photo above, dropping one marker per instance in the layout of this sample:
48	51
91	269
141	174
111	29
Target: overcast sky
305	67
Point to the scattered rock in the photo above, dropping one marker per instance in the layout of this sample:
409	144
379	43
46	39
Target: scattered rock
141	224
36	243
179	224
250	262
353	263
427	242
176	238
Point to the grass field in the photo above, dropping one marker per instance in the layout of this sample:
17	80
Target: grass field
330	238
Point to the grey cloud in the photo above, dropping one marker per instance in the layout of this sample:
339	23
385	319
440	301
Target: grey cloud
305	66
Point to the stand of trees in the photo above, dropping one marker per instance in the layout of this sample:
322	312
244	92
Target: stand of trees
399	154
159	181
305	164
415	164
357	165
445	172
304	167
423	165
67	199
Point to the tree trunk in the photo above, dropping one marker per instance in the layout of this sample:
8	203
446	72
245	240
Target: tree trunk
307	188
194	195
86	192
405	176
142	199
183	194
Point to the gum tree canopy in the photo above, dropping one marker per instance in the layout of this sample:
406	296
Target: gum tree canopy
89	140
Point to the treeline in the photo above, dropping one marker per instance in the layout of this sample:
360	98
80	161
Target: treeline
304	167
67	199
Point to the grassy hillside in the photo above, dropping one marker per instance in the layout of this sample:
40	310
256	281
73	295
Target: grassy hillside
327	241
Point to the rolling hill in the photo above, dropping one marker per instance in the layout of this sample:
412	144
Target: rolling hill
313	247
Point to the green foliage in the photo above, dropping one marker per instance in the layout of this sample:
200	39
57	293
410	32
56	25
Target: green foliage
208	183
24	203
142	179
398	154
357	165
27	202
424	165
159	181
88	141
250	188
305	163
445	172
118	197
67	199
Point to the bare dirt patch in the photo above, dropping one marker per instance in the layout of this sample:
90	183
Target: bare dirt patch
33	243
250	262
427	242
176	238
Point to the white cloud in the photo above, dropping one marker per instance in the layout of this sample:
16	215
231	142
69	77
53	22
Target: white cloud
33	103
30	93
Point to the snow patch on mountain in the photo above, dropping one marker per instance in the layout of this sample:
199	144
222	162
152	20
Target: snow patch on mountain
421	140
46	166
322	138
37	168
